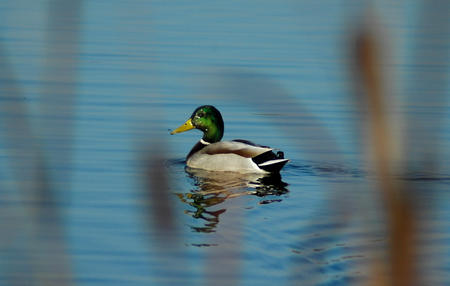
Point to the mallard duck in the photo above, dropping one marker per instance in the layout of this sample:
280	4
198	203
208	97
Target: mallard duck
237	155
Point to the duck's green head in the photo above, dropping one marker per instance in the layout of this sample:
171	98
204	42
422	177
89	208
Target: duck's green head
206	118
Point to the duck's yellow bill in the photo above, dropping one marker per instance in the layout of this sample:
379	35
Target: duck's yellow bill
185	127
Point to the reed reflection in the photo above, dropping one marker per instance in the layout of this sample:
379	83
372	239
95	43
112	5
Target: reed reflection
212	189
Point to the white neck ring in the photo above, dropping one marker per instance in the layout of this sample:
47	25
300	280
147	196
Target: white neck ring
204	142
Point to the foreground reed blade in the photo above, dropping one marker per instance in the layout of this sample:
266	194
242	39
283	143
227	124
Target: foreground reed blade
39	228
158	196
398	206
36	224
421	139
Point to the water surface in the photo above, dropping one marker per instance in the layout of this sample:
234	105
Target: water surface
100	98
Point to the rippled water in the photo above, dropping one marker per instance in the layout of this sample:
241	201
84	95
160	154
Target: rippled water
100	99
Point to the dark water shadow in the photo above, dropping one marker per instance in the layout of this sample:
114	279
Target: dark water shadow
212	189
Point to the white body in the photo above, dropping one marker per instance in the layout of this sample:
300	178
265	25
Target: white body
227	156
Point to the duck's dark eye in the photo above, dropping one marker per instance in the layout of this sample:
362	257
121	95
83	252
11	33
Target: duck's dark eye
201	114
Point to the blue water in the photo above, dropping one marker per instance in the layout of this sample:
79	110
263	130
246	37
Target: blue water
100	83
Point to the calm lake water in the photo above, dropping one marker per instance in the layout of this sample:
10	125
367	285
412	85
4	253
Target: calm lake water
95	190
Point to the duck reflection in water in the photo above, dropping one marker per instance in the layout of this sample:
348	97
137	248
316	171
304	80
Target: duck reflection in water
213	188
